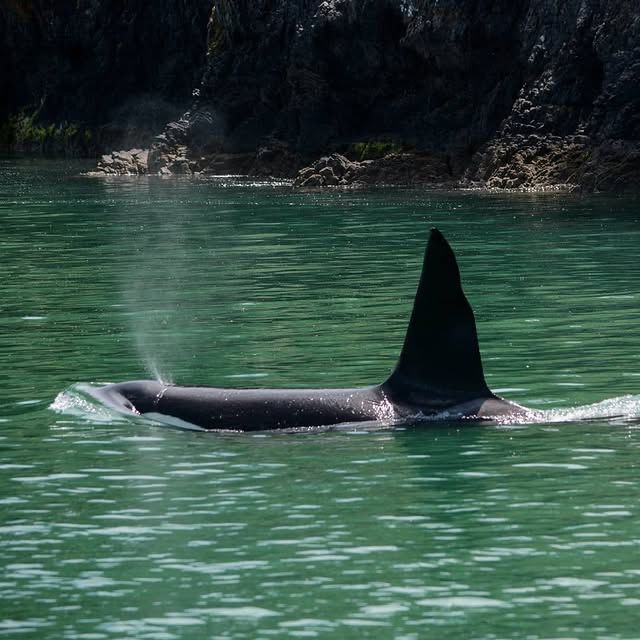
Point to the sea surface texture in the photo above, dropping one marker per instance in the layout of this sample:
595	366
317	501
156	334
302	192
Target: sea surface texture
114	529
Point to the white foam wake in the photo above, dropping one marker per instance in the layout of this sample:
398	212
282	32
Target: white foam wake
77	401
624	408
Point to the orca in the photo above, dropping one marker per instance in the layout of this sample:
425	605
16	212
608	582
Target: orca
438	375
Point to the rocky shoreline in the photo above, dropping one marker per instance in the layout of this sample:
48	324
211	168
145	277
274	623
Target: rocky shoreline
504	95
533	164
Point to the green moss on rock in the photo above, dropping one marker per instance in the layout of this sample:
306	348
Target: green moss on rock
373	149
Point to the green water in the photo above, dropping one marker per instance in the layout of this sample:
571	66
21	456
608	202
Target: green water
114	529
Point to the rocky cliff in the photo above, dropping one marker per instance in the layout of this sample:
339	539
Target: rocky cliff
505	93
89	73
499	93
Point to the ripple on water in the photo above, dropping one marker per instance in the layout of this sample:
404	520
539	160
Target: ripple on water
464	602
123	529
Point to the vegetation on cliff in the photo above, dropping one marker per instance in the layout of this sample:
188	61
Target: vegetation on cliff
27	133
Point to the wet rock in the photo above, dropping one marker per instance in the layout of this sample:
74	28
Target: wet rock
394	169
304	174
327	171
168	152
328	176
314	180
532	162
187	145
324	172
130	162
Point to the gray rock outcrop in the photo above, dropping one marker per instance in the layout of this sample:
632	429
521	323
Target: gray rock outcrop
122	163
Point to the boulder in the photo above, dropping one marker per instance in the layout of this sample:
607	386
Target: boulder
130	162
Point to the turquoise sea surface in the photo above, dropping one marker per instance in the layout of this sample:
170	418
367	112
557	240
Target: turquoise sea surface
113	528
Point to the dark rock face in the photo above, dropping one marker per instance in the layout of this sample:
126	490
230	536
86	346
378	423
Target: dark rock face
513	94
121	68
319	73
576	118
498	93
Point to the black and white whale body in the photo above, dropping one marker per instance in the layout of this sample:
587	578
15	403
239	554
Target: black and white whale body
439	373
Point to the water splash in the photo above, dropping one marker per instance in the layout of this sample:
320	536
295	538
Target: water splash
626	408
77	401
81	401
613	410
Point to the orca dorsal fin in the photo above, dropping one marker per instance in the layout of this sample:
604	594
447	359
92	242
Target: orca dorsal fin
440	354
